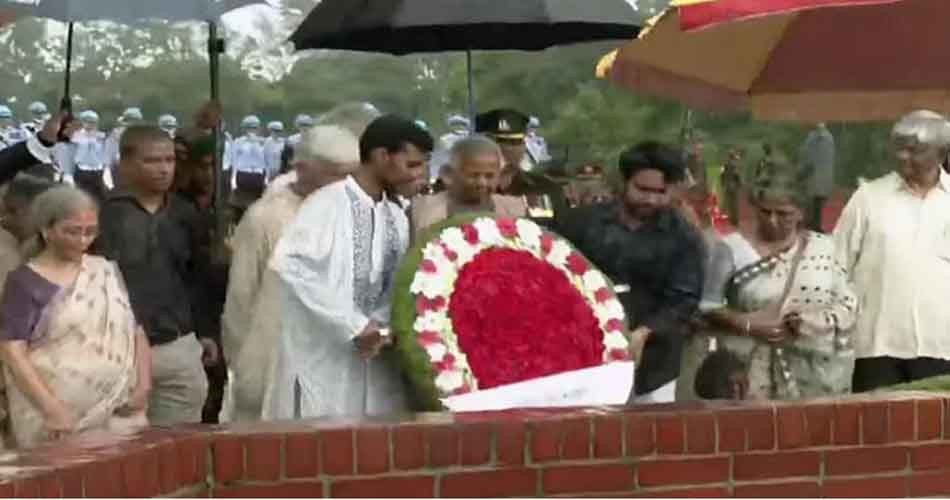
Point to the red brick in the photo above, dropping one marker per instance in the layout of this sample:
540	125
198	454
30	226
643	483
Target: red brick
140	474
510	443
30	488
263	457
688	471
791	428
104	479
871	487
777	490
866	460
72	480
409	447
301	455
192	459
545	441
442	442
228	455
819	420
306	489
929	484
50	487
760	429
746	429
385	487
847	424
874	422
901	420
167	468
372	450
670	434
608	437
7	489
929	419
930	457
778	465
587	478
336	452
575	440
712	492
641	435
700	433
490	484
476	443
731	431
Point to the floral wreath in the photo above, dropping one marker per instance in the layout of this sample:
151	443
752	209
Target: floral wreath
482	302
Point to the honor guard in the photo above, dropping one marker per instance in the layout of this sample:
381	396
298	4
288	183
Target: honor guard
89	156
537	146
131	116
274	147
459	128
303	122
248	165
10	134
508	128
169	124
38	114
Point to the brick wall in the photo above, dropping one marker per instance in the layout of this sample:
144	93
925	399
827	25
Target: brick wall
855	447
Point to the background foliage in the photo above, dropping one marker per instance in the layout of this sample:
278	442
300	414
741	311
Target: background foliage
162	69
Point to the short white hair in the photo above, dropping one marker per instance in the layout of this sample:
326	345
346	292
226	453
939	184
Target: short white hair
328	143
469	147
927	127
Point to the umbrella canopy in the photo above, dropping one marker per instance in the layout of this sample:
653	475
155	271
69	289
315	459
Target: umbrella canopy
794	60
126	11
408	26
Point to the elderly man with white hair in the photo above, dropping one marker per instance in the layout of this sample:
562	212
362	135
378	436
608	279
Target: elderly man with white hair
894	238
251	322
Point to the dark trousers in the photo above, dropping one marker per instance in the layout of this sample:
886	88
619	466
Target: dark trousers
817	214
91	182
874	373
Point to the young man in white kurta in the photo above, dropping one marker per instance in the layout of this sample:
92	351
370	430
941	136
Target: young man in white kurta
894	236
252	312
337	262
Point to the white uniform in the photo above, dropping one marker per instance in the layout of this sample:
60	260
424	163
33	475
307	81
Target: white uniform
32	128
441	156
273	150
12	135
90	150
537	148
112	146
247	155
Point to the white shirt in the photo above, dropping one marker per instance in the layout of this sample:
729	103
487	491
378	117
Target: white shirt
897	248
247	155
12	135
89	150
337	261
112	146
273	150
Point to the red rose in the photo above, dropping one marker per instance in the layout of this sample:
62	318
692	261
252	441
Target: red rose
576	264
614	325
426	338
427	266
447	363
547	243
619	355
425	304
507	228
449	254
602	295
470	234
517	318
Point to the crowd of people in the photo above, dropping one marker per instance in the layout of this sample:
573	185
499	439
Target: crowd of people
120	309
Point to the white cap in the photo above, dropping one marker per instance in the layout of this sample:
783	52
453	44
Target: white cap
251	121
132	114
276	126
167	121
459	121
5	112
89	116
303	120
534	122
38	108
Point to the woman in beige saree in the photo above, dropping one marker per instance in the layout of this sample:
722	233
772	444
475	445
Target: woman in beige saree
74	358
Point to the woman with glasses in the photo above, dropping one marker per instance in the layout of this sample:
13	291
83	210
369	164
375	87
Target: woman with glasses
74	357
779	300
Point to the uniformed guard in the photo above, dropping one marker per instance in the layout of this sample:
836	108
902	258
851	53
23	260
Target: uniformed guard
459	128
169	124
508	128
10	133
39	114
537	146
274	147
89	156
248	165
131	116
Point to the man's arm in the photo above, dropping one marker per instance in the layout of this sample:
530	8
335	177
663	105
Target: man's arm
849	232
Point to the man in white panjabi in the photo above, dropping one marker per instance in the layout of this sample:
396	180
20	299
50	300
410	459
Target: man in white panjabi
894	238
252	316
337	262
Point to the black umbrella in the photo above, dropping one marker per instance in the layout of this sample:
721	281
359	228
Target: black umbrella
406	26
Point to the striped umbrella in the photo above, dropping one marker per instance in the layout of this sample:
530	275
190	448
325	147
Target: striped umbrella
793	60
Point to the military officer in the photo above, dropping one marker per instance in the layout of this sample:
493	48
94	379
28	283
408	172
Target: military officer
38	114
274	147
248	164
169	124
537	146
89	155
459	128
10	134
508	128
303	122
131	116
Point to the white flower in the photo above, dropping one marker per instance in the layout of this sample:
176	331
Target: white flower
615	340
436	352
488	232
449	380
433	251
614	308
529	233
454	239
432	322
594	280
559	253
432	285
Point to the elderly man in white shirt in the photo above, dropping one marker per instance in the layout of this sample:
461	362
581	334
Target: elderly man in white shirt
894	237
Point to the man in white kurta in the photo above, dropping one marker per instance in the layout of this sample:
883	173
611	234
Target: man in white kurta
252	312
894	236
337	262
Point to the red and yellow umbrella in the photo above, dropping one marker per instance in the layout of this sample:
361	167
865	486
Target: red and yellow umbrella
794	60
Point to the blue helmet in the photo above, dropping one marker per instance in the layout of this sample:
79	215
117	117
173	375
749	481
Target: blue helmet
459	121
38	108
303	120
132	114
275	126
251	121
5	113
89	116
167	121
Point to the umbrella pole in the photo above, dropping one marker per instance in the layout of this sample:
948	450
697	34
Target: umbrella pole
471	89
215	47
67	100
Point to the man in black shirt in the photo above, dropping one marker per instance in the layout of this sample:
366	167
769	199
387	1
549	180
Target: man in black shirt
653	256
153	236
